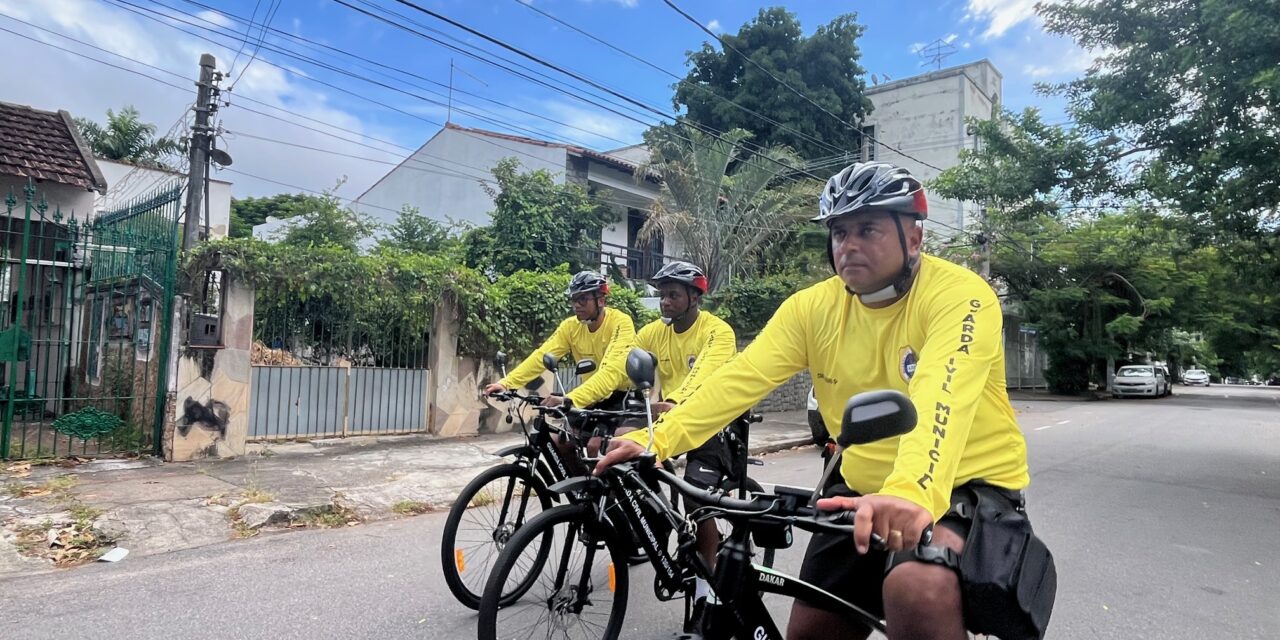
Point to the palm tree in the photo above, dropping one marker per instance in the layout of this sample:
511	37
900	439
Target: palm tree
128	139
723	202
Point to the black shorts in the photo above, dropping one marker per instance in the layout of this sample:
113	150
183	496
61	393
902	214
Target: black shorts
833	564
712	465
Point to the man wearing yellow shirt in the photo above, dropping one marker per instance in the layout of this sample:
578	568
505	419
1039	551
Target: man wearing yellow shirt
596	332
892	318
690	344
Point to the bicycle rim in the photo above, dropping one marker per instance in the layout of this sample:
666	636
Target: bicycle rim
497	504
578	593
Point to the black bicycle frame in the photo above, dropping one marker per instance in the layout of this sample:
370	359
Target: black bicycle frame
738	584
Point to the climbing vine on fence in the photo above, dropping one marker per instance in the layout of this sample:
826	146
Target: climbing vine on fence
391	290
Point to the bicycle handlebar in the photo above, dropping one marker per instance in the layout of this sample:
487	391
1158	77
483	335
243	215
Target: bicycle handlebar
771	507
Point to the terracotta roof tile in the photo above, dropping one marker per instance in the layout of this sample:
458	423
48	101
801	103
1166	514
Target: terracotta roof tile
42	145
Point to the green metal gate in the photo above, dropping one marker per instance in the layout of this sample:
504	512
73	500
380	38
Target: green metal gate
85	315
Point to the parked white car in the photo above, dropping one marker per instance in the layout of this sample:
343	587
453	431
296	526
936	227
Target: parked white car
1140	380
1195	377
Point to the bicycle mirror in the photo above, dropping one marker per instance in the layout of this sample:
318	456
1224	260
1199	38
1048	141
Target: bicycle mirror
641	366
501	359
586	365
876	415
534	384
550	362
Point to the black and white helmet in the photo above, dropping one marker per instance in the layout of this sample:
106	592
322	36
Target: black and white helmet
586	282
872	186
685	273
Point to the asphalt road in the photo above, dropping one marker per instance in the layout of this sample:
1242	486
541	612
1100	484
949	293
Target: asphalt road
1162	515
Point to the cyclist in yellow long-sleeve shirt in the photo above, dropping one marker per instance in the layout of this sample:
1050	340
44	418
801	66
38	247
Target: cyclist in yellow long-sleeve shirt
595	332
892	318
690	345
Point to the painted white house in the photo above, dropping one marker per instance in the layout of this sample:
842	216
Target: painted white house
924	117
444	179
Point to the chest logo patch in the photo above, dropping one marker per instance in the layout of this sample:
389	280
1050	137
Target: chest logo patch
692	359
907	363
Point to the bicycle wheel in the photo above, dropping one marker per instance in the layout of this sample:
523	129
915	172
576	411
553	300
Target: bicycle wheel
580	591
490	509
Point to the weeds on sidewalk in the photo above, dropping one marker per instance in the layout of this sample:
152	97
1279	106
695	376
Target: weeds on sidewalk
410	507
253	494
336	514
67	543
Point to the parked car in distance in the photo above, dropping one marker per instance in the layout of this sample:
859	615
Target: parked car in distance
1140	380
1196	378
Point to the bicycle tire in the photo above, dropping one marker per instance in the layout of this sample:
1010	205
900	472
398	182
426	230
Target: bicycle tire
579	518
454	559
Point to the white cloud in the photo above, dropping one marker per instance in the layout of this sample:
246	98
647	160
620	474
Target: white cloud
966	45
88	89
1001	15
917	47
714	25
1069	63
217	18
951	37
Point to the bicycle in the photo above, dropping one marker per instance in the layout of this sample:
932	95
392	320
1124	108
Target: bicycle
514	490
582	595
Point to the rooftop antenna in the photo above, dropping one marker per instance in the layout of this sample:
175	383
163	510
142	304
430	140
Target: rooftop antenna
935	52
452	66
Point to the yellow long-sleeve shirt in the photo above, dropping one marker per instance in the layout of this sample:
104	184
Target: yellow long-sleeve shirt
942	345
608	345
686	359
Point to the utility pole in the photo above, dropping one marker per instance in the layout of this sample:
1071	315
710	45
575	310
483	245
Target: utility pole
201	139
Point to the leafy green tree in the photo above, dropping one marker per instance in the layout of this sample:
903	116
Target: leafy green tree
823	66
537	224
413	232
127	138
720	200
1179	115
247	213
323	221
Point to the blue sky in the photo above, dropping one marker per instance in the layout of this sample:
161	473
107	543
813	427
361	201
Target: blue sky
1004	31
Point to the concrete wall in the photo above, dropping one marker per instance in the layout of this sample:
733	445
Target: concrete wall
209	415
924	117
71	200
126	182
442	179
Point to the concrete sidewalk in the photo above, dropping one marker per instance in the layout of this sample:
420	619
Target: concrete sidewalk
149	507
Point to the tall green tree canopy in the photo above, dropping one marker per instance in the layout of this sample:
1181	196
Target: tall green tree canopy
823	66
1191	88
127	138
1179	115
537	224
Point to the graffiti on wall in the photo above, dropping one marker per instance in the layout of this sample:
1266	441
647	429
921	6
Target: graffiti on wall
211	416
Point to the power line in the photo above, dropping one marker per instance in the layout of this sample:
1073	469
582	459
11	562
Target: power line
501	123
710	92
245	42
266	24
579	78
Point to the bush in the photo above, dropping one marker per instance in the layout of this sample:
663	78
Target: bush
747	305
